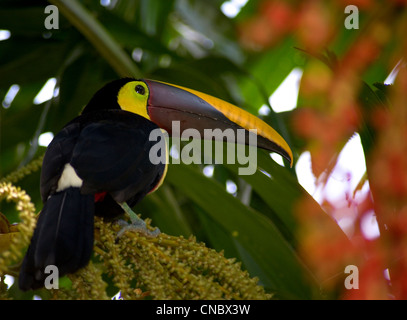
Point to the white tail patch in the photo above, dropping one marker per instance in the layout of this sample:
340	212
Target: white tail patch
69	178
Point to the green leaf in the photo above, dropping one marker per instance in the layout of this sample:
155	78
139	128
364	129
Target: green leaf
273	255
98	36
268	70
165	211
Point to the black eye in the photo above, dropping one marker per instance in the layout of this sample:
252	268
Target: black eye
140	89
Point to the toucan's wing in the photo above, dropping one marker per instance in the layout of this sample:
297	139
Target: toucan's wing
112	155
59	152
108	151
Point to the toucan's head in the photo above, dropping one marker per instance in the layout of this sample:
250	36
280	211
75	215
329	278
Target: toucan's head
163	103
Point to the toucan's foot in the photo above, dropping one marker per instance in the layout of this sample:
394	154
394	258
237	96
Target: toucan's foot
136	225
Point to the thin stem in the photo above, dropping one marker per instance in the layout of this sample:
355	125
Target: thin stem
98	36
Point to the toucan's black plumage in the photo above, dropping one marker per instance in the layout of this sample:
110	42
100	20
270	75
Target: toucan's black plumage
108	148
100	161
117	169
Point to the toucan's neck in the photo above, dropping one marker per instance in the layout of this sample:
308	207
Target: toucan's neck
106	98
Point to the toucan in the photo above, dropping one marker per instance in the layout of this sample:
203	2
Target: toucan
99	164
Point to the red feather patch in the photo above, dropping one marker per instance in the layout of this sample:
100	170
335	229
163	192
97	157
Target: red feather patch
100	196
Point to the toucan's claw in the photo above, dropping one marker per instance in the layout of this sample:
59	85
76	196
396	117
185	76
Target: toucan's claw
136	225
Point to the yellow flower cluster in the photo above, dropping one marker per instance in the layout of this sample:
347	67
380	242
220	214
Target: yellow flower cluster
14	238
165	267
169	267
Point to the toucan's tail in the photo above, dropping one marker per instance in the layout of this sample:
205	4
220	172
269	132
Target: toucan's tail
63	237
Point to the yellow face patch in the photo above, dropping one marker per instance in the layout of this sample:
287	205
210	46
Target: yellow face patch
133	97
